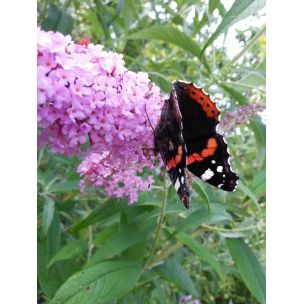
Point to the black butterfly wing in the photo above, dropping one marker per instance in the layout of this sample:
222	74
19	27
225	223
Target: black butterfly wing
208	159
207	151
168	140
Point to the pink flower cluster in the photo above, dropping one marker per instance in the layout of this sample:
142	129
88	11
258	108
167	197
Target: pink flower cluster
101	170
240	116
90	105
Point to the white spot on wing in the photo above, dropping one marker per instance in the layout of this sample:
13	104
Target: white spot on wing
213	161
220	185
219	169
182	179
207	174
177	185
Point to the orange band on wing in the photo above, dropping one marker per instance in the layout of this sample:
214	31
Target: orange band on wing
171	164
204	100
209	151
174	161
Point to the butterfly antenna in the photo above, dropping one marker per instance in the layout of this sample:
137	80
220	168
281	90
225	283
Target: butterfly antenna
149	119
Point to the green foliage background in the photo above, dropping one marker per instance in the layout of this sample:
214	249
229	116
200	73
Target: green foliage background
93	249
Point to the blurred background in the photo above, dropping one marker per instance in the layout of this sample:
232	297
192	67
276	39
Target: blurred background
215	251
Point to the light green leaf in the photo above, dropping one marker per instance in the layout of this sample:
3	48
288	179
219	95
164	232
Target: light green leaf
58	21
101	283
173	272
73	249
47	215
249	268
201	252
218	214
239	10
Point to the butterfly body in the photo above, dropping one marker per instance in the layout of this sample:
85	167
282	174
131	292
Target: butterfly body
186	138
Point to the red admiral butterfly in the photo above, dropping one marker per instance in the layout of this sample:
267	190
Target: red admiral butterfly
186	138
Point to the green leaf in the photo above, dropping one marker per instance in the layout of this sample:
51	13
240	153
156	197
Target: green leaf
213	4
250	194
168	34
127	237
238	11
57	21
161	80
73	249
173	272
259	130
107	209
160	291
47	215
236	96
49	278
249	268
101	283
218	214
258	185
172	35
201	252
199	189
64	187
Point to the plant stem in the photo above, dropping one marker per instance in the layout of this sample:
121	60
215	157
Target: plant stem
160	221
90	232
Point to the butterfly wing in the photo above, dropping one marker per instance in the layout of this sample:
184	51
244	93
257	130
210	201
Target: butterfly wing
207	151
169	142
208	159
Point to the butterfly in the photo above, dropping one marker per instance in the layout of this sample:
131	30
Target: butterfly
187	140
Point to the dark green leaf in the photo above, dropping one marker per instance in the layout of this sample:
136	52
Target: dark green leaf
172	35
47	215
64	187
236	96
168	34
128	236
238	11
258	185
173	272
199	189
259	130
160	291
201	252
73	249
58	20
249	268
107	209
101	283
218	214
